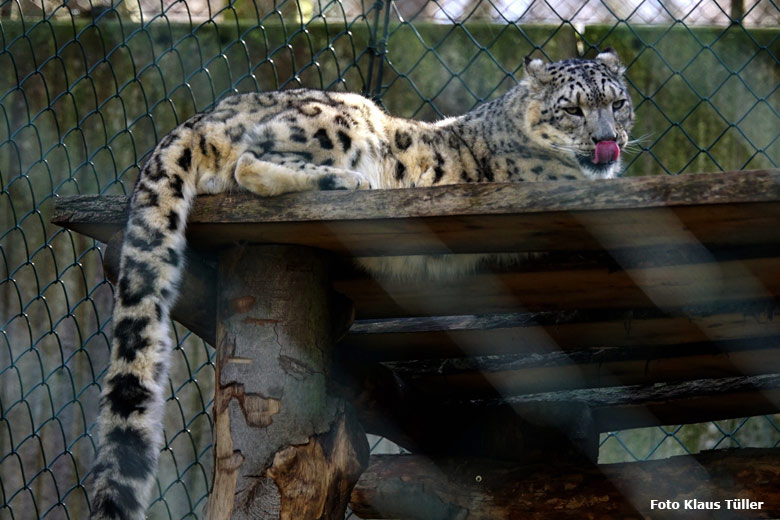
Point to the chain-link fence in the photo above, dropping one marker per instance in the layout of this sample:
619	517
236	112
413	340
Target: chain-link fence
87	87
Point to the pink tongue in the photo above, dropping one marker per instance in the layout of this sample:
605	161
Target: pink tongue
606	152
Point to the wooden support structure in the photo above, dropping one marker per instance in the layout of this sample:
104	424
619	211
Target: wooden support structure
653	301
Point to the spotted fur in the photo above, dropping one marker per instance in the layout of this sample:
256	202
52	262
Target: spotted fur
277	142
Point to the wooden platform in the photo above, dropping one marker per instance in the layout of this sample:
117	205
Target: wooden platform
719	210
653	301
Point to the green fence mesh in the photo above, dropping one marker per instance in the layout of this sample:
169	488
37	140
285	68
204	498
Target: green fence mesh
87	87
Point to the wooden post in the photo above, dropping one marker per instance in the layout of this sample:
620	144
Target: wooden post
284	448
737	10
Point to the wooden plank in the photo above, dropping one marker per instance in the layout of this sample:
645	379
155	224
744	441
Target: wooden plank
555	357
665	287
730	225
461	199
524	375
481	489
567	331
724	210
687	402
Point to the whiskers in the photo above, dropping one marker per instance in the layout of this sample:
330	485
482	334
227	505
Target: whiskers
634	146
576	150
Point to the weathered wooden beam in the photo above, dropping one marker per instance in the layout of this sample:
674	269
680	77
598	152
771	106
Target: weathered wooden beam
475	378
285	448
595	331
686	402
727	209
460	199
665	287
387	405
415	487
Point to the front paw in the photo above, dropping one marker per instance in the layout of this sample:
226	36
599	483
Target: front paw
344	181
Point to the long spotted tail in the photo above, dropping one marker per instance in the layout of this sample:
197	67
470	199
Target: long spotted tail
132	399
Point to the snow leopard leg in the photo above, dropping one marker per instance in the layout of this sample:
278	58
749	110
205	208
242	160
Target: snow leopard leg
276	174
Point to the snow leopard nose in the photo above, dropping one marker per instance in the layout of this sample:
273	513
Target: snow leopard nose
604	137
602	127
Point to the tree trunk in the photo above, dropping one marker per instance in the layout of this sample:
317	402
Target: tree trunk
284	448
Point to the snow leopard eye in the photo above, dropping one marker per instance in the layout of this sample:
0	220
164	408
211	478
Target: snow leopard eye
575	111
617	105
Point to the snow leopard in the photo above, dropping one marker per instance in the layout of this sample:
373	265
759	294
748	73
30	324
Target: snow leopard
564	120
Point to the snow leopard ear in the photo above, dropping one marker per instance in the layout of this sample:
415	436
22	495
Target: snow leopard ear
610	58
537	70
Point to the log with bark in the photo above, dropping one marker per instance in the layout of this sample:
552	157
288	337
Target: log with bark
285	448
